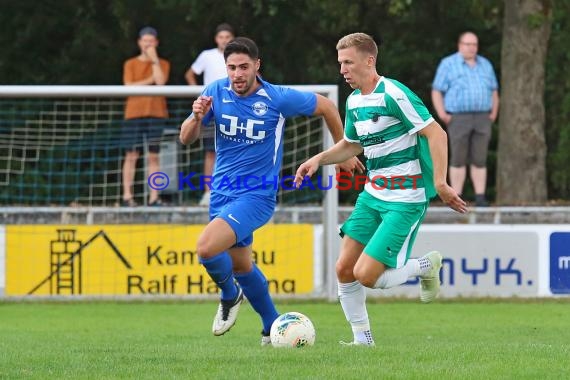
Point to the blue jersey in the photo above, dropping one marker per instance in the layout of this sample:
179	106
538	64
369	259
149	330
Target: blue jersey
249	135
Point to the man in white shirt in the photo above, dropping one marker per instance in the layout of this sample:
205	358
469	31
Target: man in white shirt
211	63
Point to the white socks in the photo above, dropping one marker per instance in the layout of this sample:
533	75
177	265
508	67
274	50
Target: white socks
394	277
352	298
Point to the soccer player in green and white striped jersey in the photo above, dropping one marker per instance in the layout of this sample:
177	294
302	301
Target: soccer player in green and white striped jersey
406	151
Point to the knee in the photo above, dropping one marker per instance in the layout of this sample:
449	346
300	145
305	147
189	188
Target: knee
204	249
364	277
344	272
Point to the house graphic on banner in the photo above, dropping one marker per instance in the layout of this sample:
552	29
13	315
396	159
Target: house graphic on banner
66	262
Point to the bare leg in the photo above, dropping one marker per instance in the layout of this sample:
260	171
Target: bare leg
479	178
129	168
153	167
457	178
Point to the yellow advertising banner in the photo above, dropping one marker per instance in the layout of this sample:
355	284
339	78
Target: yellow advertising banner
143	259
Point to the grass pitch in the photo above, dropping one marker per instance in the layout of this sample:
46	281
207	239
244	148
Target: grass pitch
166	340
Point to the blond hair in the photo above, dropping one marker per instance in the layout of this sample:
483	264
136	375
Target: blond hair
361	41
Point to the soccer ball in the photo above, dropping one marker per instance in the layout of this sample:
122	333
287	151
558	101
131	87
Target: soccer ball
292	330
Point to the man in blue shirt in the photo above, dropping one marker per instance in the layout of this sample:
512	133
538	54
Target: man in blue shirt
249	116
466	98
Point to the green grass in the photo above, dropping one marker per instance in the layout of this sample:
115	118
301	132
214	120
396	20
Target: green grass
164	340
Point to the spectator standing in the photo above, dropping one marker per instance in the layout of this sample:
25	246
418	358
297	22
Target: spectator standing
144	115
466	98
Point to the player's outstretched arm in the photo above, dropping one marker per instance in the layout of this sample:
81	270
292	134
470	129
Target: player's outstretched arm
437	140
339	152
190	128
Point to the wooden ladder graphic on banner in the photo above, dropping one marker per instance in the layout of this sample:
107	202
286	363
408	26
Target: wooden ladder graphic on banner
65	263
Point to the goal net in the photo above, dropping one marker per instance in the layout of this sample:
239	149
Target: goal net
63	229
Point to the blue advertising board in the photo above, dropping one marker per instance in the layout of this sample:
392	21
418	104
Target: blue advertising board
560	262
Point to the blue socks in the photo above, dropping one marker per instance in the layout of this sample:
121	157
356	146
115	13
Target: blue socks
220	270
255	288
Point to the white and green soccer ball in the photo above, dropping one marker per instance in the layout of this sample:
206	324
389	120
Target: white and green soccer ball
292	329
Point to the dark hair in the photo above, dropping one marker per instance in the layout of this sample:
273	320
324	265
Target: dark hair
242	45
148	30
225	27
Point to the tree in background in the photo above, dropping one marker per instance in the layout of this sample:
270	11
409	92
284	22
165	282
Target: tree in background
557	104
521	165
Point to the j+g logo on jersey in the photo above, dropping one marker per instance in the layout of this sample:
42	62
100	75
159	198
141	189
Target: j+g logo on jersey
235	127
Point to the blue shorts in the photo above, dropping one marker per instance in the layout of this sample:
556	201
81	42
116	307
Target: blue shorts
135	133
244	214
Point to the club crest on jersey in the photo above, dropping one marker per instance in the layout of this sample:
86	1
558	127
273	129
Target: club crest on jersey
259	108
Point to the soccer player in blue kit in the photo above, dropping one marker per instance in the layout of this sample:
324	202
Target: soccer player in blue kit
249	116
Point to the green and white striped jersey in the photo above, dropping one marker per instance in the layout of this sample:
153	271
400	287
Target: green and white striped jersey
385	122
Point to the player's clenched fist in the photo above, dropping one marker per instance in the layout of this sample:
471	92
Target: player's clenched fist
201	106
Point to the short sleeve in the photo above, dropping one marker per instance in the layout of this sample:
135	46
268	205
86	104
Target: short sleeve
404	104
128	72
165	66
494	82
199	64
294	103
441	81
